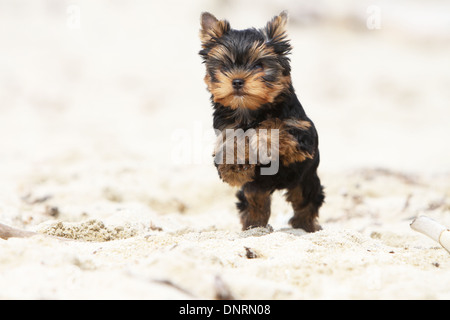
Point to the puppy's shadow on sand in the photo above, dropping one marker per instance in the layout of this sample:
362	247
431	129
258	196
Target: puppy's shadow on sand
262	231
295	232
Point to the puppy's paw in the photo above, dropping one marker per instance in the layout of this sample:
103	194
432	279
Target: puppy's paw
305	223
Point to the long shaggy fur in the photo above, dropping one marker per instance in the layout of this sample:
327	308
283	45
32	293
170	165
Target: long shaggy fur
248	74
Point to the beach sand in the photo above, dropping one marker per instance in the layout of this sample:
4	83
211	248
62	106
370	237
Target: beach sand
107	142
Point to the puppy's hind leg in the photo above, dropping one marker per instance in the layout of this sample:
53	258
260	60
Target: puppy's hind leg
306	198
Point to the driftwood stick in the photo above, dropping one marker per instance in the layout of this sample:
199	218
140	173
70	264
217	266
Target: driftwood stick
432	229
7	232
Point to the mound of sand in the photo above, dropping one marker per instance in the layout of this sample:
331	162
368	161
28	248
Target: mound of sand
90	230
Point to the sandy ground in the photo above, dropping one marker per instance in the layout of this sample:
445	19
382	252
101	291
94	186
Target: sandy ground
106	135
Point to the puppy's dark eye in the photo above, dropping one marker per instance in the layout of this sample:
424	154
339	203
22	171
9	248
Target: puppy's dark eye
257	66
224	68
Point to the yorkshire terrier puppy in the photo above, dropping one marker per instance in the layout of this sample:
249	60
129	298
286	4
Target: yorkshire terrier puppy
248	76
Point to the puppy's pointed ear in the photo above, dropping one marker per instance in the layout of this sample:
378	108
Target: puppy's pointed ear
276	28
275	32
211	28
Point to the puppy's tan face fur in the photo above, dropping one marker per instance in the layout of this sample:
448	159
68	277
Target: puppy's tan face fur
245	68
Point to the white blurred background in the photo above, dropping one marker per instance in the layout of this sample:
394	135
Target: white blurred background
104	81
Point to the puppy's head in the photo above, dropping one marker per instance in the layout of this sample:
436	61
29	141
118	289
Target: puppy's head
245	68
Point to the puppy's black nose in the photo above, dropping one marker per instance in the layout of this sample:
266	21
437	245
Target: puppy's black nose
238	83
